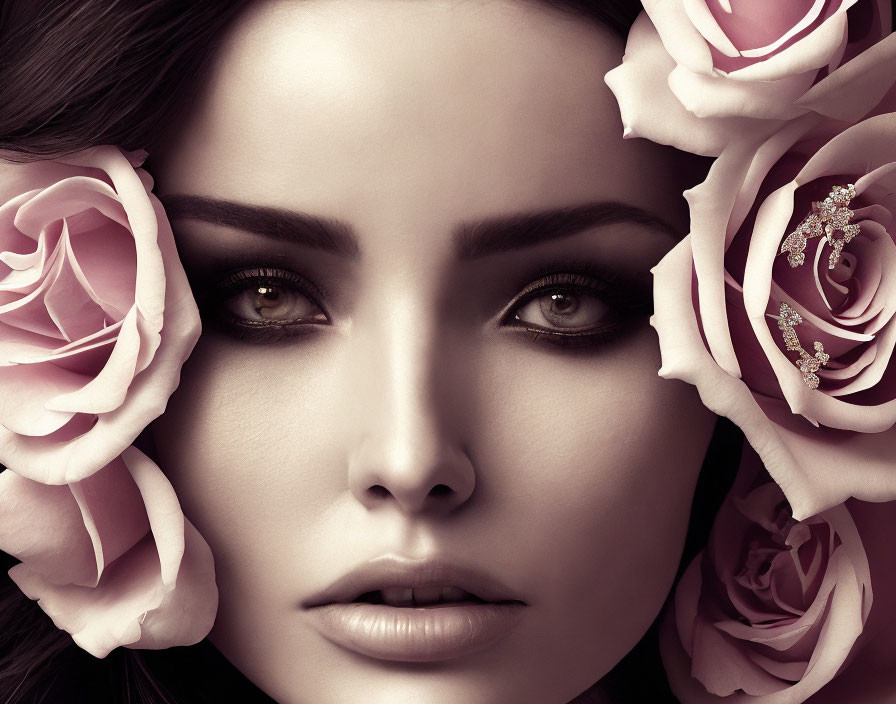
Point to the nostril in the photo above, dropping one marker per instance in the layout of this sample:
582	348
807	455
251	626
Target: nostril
379	491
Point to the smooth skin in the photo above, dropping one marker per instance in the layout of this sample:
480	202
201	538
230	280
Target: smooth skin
417	417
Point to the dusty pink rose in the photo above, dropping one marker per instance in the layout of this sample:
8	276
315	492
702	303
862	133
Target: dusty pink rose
700	73
110	558
774	608
719	296
96	315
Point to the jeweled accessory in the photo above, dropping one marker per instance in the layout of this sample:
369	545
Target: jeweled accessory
808	364
827	217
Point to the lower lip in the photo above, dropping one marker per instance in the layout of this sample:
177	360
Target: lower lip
416	634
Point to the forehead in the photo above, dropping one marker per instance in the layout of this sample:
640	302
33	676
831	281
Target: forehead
406	110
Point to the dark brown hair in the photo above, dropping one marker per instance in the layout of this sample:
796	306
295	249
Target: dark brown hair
74	74
79	73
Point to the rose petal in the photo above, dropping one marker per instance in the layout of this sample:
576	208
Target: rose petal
872	374
113	513
25	392
186	613
786	635
17	250
31	354
108	389
712	648
809	53
42	525
68	198
27	269
779	27
162	509
682	40
142	218
120	609
677	664
812	463
714	96
649	108
29	312
705	23
17	345
105	261
848	93
73	310
792	671
861	148
107	616
709	215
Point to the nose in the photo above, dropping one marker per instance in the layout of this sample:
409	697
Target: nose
407	454
416	479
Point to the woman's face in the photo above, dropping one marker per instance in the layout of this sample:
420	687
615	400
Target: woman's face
426	354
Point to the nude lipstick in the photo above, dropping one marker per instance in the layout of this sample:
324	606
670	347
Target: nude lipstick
398	609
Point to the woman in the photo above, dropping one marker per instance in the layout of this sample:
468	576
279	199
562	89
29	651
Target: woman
426	378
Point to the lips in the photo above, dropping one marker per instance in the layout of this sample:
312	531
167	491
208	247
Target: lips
391	578
394	608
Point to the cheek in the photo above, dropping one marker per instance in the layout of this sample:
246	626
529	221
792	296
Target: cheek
593	463
249	443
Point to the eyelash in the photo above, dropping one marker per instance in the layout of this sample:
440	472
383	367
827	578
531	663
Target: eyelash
625	300
242	280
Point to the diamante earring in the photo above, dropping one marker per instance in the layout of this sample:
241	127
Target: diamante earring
827	217
808	364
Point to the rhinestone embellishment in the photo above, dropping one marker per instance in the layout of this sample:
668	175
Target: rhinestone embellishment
807	363
827	217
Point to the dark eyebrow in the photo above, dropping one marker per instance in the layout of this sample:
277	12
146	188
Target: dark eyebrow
472	239
330	235
503	233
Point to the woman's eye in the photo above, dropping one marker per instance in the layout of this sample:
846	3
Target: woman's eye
579	309
275	303
264	305
566	310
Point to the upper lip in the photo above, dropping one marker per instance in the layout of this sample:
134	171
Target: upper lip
396	571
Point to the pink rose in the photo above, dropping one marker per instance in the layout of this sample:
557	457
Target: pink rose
774	608
110	558
700	73
720	293
96	315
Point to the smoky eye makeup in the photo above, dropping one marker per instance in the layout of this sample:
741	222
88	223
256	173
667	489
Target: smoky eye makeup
263	304
578	303
564	303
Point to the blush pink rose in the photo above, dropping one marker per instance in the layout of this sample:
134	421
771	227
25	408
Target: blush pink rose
110	558
718	297
700	73
96	315
774	608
